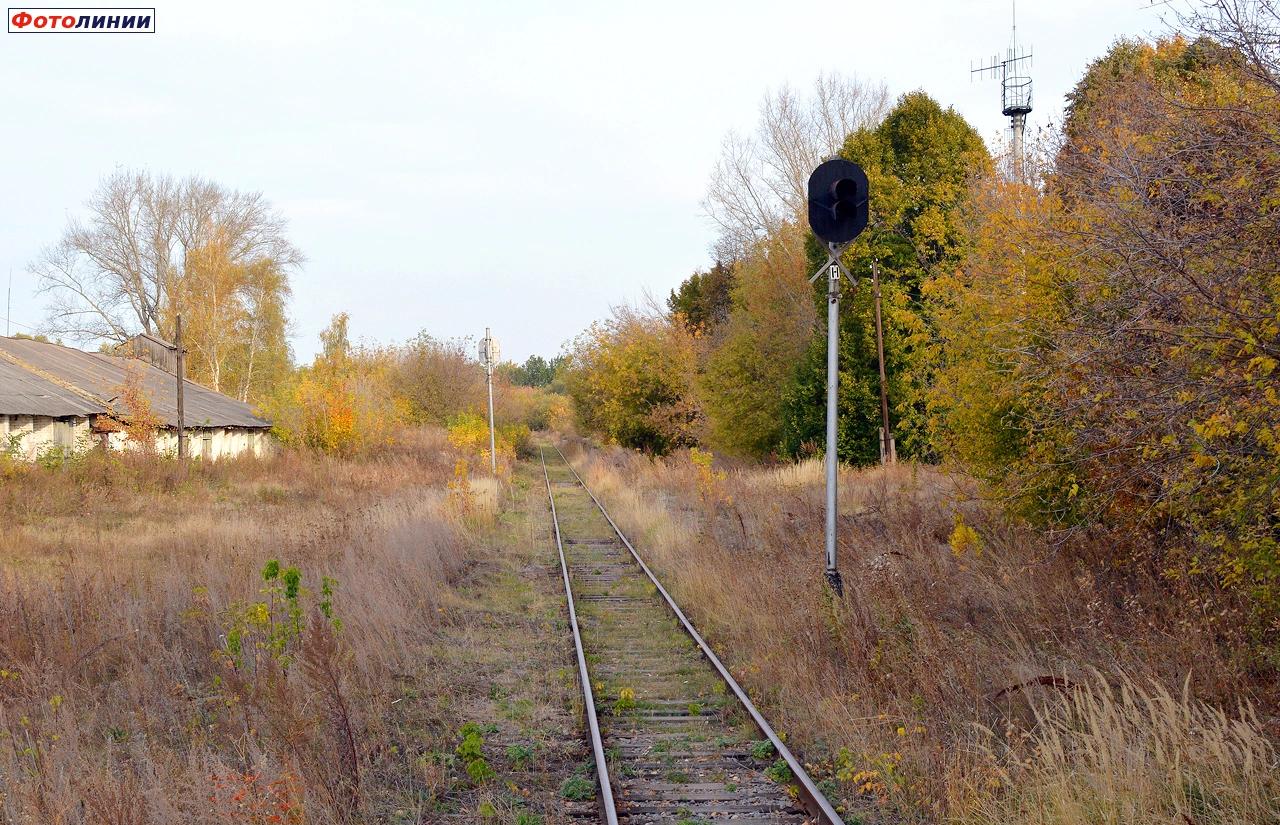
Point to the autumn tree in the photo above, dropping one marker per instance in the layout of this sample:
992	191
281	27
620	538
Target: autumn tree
345	402
1164	368
1248	28
769	325
234	320
1125	318
335	342
263	356
118	272
631	379
993	313
152	247
920	162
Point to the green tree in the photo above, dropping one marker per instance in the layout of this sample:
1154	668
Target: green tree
702	301
536	371
920	163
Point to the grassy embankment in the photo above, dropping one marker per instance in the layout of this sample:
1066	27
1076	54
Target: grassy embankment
972	673
156	667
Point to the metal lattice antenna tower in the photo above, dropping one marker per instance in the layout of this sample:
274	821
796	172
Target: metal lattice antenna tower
1015	88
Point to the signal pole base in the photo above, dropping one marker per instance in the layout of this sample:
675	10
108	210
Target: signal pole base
836	582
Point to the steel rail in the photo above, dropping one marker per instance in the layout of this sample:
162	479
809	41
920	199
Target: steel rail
808	788
607	806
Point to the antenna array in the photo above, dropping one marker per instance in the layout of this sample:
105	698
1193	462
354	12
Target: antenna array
1015	86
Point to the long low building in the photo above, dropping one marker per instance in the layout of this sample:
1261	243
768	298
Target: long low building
58	398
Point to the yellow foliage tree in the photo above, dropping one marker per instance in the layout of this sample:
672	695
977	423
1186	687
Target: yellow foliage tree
1110	346
772	320
344	403
631	379
233	318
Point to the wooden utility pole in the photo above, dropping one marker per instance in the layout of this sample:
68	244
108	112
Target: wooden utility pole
182	419
888	451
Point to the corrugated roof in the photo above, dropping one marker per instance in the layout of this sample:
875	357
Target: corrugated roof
25	393
96	379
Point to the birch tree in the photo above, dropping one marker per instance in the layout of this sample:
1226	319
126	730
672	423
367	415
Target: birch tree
234	322
759	181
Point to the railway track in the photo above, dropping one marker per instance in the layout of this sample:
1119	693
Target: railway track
675	738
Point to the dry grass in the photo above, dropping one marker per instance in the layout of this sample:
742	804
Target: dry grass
966	677
1119	751
954	623
122	586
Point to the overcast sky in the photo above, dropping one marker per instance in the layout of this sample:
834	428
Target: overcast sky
451	166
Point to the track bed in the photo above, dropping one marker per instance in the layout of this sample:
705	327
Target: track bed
679	745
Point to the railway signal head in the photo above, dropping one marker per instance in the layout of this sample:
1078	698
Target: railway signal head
489	351
838	205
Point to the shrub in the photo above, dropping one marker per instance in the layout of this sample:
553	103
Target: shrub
631	379
536	407
578	789
438	379
469	433
471	751
140	422
343	404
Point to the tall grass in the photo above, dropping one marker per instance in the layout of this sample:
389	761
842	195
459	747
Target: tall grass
952	618
1118	751
124	587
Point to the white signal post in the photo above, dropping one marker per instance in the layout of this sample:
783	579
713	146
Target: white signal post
832	270
489	357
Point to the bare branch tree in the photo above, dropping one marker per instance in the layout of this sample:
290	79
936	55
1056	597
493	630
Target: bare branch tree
117	272
738	199
1250	27
759	181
